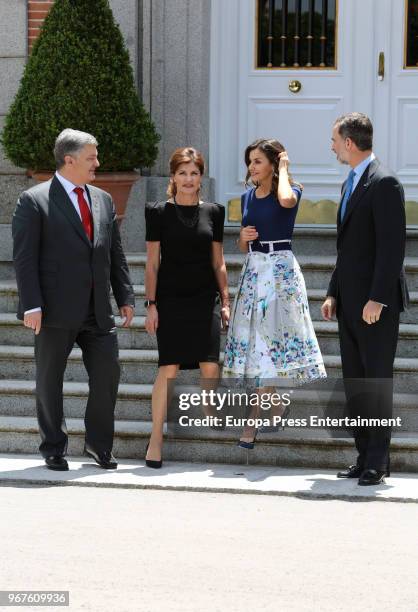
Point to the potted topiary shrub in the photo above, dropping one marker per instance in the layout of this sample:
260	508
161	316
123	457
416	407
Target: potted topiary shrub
79	76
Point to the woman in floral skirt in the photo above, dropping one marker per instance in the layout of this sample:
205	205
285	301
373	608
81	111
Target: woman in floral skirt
270	335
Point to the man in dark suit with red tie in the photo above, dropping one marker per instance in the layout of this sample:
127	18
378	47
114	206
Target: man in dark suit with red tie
367	290
67	253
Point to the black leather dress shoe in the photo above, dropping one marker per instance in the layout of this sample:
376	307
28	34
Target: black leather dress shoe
354	471
372	477
105	459
56	462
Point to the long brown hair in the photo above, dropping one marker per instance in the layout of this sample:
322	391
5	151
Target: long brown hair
184	155
271	149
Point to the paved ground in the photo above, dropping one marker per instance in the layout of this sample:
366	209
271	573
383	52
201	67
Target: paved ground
297	540
133	550
30	469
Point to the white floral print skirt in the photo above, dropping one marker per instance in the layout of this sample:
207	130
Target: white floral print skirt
270	332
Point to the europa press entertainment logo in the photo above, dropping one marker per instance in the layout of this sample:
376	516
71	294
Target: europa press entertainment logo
222	407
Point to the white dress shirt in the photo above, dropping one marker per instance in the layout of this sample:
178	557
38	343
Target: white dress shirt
360	168
69	188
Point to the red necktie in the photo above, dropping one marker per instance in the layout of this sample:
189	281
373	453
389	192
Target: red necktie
85	213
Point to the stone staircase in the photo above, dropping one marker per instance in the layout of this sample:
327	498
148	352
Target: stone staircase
305	447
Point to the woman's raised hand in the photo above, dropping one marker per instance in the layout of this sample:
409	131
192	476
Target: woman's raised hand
283	160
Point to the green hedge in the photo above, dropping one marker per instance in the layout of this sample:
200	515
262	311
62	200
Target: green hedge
79	76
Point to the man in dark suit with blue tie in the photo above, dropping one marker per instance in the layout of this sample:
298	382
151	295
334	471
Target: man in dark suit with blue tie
67	253
367	290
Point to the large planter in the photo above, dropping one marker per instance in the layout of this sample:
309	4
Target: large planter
118	184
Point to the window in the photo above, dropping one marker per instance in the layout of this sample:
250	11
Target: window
411	41
297	34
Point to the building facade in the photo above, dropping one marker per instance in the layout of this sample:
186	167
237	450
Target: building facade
287	69
217	74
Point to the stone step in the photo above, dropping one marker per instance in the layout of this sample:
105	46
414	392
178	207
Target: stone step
317	269
306	241
140	365
8	296
17	398
327	334
309	245
316	298
13	333
9	300
311	448
314	240
7	271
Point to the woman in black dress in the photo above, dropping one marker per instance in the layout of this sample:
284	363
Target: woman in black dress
185	272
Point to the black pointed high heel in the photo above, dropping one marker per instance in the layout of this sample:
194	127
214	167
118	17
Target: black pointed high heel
248	445
151	463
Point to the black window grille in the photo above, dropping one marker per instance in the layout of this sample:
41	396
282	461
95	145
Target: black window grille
297	34
412	34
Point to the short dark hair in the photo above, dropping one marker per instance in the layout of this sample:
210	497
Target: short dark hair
358	127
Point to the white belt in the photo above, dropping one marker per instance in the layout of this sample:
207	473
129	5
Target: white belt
269	242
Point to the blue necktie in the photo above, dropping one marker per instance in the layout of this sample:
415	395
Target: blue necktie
347	194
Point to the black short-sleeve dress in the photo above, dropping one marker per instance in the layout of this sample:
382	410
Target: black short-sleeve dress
187	291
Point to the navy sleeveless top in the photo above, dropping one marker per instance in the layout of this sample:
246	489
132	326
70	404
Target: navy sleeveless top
271	220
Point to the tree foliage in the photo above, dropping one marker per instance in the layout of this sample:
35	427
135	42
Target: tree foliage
79	76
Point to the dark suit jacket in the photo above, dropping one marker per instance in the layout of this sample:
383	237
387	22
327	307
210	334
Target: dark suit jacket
371	244
57	266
